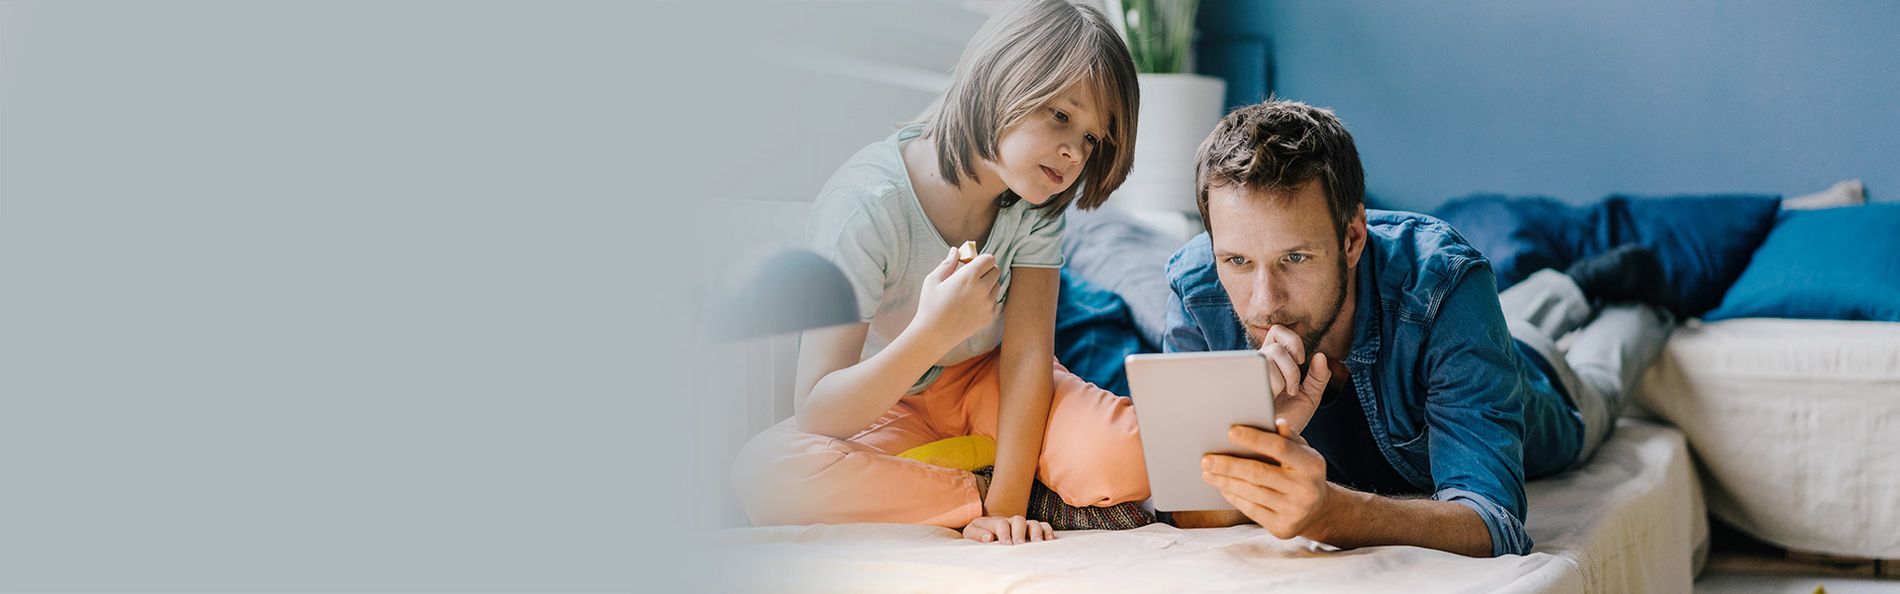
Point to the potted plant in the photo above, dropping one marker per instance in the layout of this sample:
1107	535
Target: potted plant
1178	108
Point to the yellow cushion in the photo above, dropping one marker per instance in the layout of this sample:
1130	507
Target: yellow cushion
969	452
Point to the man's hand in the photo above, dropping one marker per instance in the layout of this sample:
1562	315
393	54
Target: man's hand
1008	530
1287	499
1295	398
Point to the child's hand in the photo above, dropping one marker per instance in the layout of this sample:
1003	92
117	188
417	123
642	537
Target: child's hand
1010	530
958	298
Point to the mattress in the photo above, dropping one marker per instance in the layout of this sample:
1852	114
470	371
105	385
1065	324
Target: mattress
1796	424
1631	520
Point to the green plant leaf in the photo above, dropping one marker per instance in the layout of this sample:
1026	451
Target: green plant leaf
1159	33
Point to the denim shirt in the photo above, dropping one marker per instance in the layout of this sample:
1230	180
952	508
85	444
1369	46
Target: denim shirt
1442	383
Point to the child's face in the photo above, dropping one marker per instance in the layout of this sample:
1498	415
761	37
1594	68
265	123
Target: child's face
1043	154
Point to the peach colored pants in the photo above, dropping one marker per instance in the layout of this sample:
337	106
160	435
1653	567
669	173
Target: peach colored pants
1091	456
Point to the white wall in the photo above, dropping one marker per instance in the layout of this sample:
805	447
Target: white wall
839	75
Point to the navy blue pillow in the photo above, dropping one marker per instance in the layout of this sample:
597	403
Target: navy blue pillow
1830	264
1519	235
1703	241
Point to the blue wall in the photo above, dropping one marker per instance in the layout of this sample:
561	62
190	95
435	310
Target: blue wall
1580	100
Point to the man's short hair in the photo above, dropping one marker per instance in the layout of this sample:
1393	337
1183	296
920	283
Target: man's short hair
1281	145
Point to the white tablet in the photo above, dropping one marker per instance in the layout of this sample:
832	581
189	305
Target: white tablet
1185	403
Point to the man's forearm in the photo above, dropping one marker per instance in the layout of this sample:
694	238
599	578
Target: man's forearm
1022	417
1363	519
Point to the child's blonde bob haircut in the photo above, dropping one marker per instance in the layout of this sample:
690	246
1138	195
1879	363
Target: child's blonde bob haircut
1021	58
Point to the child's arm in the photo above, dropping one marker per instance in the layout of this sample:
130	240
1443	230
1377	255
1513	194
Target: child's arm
1029	327
837	395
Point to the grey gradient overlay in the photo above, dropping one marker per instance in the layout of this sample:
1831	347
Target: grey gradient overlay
364	296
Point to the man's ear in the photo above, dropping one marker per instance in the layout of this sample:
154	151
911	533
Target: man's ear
1356	238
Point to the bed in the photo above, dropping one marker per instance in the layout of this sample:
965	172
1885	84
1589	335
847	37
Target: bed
1788	385
1632	520
1795	424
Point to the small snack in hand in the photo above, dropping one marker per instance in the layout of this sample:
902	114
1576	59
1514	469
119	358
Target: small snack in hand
966	252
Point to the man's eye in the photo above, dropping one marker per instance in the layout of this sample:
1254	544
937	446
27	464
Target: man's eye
1237	260
1062	117
1295	258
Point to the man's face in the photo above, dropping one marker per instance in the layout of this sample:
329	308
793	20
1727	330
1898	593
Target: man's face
1279	259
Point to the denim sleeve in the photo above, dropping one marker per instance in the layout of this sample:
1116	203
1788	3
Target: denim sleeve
1185	268
1475	410
1182	335
1507	532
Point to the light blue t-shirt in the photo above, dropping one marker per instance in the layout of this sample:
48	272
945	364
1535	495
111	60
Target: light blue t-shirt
868	221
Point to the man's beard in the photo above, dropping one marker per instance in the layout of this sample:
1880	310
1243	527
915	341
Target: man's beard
1315	332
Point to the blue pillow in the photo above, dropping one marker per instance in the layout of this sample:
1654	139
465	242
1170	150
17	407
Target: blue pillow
1095	331
1520	235
1703	241
1830	264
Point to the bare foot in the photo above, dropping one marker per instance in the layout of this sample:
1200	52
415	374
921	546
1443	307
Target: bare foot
1217	518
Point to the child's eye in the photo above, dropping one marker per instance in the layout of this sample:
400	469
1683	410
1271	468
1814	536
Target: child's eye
1061	117
1092	140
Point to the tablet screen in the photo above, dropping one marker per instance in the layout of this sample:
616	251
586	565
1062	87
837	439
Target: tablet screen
1185	402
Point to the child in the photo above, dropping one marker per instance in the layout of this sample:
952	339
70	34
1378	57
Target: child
1040	113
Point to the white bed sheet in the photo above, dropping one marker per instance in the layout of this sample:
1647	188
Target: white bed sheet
1796	424
1632	520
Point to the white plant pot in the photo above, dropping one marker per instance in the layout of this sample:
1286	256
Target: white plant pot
1177	113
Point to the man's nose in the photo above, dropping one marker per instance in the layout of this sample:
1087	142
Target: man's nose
1268	292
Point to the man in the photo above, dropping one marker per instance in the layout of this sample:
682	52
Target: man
1413	398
